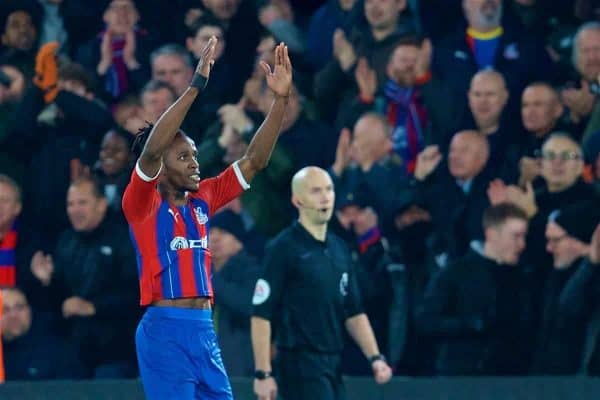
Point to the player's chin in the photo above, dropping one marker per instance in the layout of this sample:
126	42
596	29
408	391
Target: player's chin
192	187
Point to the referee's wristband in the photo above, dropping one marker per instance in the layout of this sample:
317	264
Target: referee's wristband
198	81
260	374
376	357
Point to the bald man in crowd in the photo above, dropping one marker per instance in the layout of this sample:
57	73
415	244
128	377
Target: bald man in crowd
454	193
315	270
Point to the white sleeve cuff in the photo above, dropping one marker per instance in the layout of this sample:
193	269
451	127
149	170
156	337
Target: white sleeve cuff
240	176
145	177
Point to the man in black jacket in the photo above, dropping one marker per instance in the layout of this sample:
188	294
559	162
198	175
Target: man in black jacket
455	195
564	313
89	277
479	307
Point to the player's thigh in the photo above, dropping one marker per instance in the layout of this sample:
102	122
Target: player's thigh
213	383
165	369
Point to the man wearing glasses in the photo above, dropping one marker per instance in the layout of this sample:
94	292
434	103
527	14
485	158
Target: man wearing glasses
566	309
562	164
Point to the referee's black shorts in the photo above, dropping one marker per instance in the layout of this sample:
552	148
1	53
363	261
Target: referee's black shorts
304	375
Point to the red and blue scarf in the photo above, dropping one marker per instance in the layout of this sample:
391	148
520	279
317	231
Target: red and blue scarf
8	269
406	113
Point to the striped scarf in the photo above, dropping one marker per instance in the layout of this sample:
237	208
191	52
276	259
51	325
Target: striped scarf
408	118
8	244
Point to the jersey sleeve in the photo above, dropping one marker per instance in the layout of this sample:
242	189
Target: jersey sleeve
269	287
223	188
141	198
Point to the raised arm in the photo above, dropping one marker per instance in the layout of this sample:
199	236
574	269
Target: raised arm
168	124
279	81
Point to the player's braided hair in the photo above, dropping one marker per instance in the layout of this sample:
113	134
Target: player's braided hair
140	139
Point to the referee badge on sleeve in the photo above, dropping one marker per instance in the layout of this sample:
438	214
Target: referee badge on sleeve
344	284
262	291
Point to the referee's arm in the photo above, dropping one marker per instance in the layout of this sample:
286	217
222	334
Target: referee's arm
357	324
266	301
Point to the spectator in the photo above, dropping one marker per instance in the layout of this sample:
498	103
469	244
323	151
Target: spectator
330	16
89	278
19	23
367	161
479	307
541	111
521	59
234	277
583	303
222	89
118	54
333	84
156	97
113	168
31	350
409	99
562	329
57	141
562	167
172	64
242	33
580	99
454	195
487	101
12	88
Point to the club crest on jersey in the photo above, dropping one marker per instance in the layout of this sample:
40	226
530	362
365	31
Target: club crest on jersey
200	216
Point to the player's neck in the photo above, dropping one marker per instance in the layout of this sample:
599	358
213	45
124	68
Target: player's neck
317	231
175	197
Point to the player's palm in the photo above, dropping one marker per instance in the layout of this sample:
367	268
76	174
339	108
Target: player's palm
279	79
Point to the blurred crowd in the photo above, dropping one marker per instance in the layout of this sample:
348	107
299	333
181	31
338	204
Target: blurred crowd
439	121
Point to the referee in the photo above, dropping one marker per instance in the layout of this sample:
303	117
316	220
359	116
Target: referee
309	293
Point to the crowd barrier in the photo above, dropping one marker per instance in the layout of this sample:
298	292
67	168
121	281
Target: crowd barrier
486	388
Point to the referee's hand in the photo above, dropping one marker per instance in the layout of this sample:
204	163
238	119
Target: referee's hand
381	371
265	389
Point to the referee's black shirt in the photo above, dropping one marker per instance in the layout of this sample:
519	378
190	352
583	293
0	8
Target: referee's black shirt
307	290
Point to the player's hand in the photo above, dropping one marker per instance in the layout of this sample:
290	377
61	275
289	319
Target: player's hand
265	389
42	267
207	58
279	79
381	372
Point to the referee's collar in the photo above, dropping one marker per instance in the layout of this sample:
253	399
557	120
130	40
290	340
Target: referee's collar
306	234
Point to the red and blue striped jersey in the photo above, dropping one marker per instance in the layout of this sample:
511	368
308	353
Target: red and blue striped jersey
171	242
